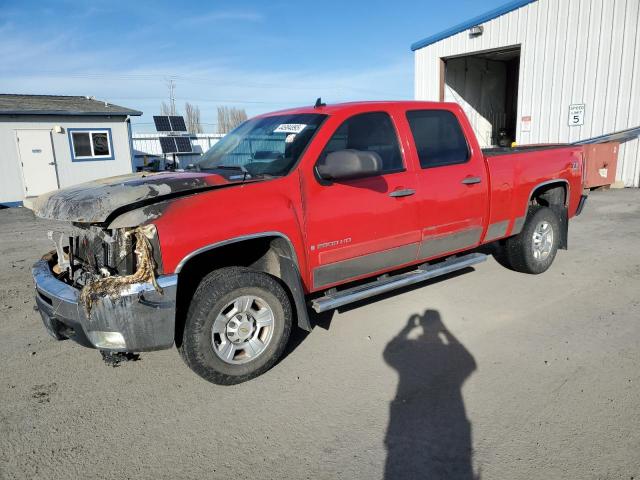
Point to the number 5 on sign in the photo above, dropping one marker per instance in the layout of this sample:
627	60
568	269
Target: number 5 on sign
576	115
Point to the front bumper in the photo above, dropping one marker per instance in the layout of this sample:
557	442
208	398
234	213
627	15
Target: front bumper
143	316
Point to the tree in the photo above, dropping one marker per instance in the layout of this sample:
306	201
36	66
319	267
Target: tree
192	118
229	118
165	109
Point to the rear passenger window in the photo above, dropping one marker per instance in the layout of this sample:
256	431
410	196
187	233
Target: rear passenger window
372	132
438	138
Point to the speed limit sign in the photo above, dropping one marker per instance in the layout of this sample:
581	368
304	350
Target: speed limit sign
576	115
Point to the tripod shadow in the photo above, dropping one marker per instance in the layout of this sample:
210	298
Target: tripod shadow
429	434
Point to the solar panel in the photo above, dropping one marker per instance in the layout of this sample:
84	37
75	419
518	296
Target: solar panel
177	123
168	145
162	123
183	144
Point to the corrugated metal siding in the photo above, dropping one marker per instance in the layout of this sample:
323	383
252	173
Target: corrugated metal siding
572	52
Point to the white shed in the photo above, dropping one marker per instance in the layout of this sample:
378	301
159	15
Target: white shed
49	142
542	71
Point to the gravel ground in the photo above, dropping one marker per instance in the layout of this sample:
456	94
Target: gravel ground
489	373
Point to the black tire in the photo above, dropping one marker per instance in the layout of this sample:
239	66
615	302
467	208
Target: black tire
519	250
215	291
499	252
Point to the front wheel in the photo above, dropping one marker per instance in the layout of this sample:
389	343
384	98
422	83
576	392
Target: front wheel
534	248
237	326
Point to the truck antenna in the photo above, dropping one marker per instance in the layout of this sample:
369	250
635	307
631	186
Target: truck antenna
319	103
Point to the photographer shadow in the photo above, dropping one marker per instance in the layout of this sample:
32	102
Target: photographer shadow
429	434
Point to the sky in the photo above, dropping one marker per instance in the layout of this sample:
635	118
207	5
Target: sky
260	56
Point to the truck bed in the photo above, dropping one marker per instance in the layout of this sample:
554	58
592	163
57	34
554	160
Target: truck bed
493	151
619	136
516	172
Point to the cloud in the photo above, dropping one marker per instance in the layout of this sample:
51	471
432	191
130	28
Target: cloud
72	10
16	51
223	16
58	63
257	91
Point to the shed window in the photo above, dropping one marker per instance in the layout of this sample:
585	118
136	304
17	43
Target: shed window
91	144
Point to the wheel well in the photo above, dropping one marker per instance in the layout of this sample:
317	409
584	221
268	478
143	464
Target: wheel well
555	195
264	254
551	194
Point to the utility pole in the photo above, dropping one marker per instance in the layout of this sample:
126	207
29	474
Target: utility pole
171	85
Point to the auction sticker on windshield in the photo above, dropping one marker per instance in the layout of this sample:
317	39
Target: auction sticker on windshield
290	128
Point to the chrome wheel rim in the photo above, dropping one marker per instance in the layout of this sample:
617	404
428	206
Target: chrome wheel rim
242	330
542	240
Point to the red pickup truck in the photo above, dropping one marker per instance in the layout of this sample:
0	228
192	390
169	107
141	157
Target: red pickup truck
310	207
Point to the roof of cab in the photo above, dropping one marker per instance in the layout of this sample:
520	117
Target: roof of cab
354	107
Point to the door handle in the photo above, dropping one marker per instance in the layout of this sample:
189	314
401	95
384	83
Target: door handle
471	180
405	192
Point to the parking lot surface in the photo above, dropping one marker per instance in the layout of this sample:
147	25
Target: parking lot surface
488	373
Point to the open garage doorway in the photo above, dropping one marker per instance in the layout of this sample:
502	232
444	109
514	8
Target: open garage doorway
485	84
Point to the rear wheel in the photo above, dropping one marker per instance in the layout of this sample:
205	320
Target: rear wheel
534	248
237	326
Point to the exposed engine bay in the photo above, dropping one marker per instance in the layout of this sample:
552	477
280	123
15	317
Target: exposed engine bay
104	286
103	263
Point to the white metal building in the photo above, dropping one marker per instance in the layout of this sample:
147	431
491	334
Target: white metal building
49	142
542	71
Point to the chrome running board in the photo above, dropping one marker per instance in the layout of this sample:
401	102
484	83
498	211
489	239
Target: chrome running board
385	284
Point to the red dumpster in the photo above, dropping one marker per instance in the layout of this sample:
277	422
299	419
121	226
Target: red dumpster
601	160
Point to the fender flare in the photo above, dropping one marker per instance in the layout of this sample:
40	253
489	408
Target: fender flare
551	182
289	270
562	211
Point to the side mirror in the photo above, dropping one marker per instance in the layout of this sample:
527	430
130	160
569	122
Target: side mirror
349	164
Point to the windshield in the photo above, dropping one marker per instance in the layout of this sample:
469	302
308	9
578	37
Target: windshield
263	146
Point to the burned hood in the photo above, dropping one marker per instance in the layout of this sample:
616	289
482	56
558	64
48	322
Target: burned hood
94	202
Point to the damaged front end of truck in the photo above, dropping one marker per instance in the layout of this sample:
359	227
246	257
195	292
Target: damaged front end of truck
104	289
103	285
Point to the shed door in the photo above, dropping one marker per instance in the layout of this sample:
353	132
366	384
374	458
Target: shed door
38	162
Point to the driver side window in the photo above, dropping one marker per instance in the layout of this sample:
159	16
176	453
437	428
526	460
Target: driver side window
373	132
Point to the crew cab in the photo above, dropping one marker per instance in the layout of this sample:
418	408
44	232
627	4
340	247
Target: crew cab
308	208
